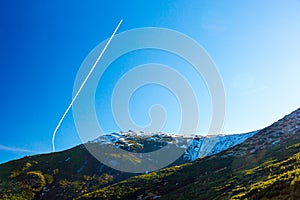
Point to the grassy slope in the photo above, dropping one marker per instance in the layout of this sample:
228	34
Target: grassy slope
29	177
266	166
62	175
270	173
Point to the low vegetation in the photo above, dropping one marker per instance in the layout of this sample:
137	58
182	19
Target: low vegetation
270	171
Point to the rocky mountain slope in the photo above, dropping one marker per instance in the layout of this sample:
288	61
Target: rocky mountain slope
262	164
73	172
265	166
196	146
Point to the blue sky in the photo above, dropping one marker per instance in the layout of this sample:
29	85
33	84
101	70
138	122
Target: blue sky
255	45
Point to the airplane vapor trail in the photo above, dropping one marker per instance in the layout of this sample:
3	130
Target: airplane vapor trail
82	85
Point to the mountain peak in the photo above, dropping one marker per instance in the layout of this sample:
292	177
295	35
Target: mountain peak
229	165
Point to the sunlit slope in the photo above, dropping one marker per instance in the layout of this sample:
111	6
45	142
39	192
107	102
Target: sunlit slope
266	166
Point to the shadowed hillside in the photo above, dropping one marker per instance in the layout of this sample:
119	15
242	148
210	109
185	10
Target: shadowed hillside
266	165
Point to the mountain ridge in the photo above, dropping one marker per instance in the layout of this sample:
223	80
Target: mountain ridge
74	173
271	171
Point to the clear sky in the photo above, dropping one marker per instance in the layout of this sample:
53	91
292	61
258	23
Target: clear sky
255	45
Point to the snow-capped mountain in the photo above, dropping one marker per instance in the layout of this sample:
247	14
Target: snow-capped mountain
196	146
265	166
249	165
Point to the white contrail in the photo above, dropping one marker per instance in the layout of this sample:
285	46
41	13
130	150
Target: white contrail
82	85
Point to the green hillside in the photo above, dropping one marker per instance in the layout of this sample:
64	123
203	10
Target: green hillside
271	173
67	174
265	166
60	175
